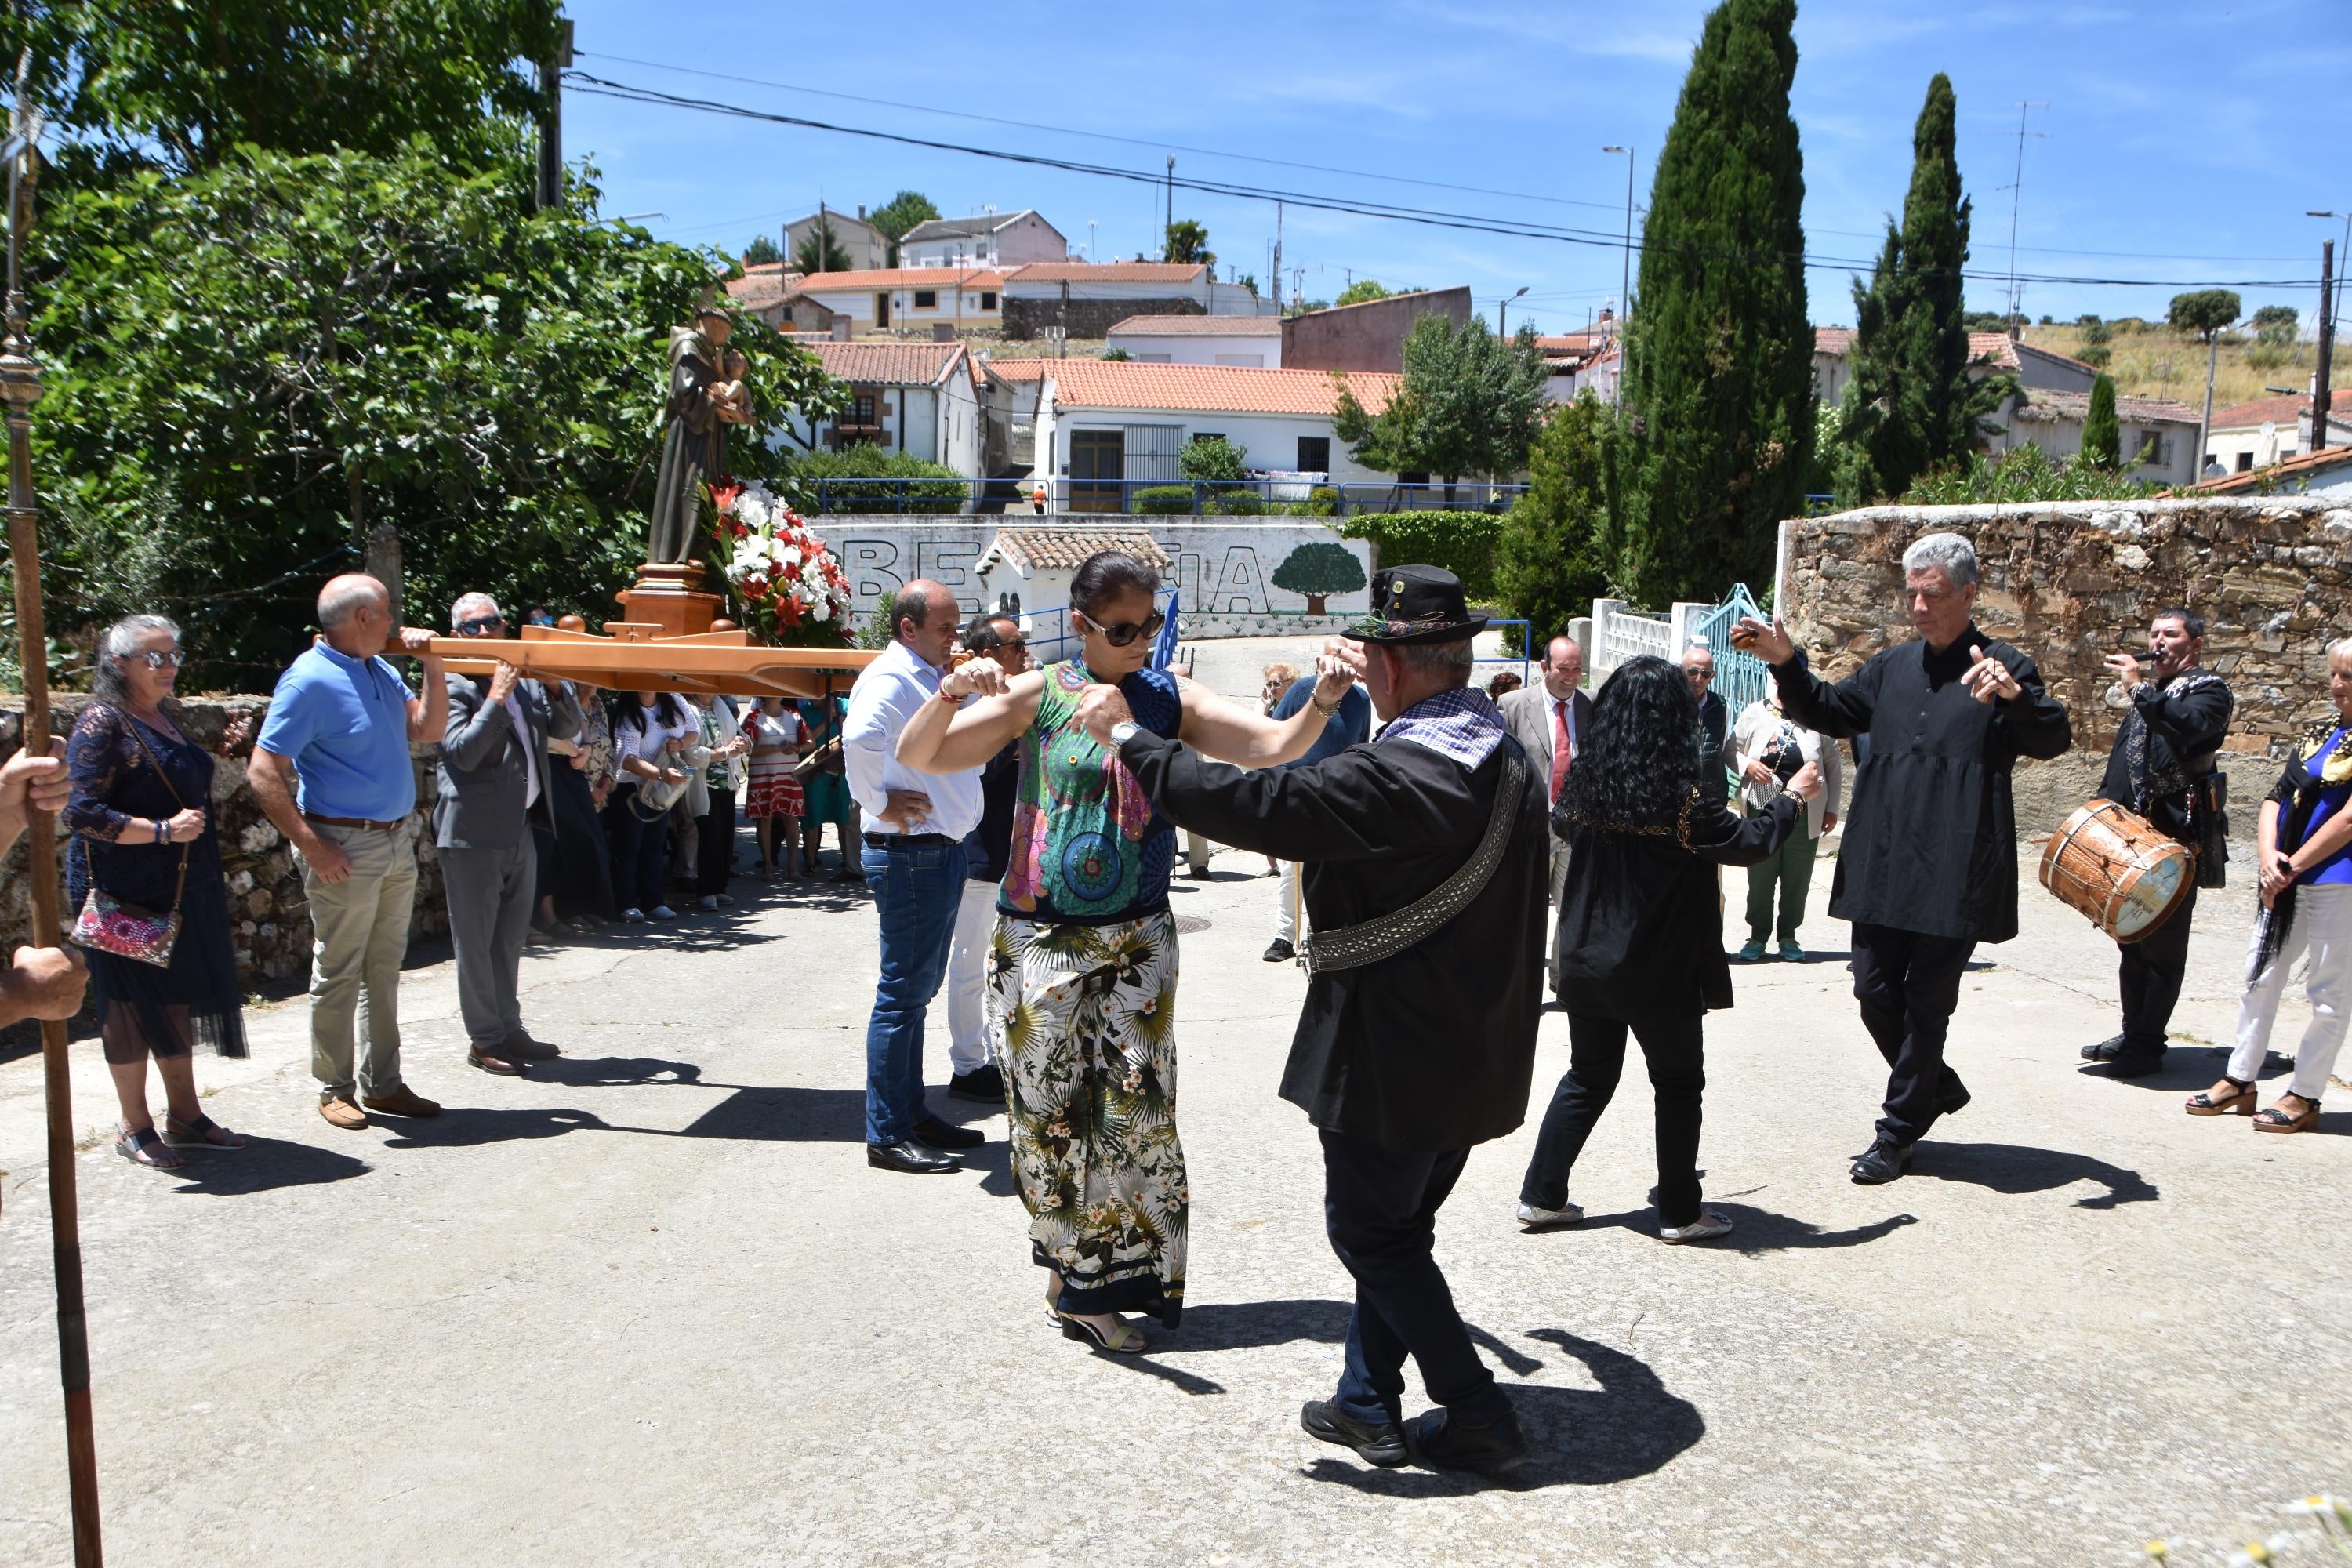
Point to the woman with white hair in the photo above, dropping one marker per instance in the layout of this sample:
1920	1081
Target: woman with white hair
2304	849
145	845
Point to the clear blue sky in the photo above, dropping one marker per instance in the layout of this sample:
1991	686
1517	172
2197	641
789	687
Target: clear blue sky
2172	148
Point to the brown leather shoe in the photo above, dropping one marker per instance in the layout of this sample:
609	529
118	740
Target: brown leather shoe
494	1059
401	1101
342	1112
521	1047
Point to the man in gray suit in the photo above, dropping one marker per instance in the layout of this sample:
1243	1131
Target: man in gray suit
1549	721
493	774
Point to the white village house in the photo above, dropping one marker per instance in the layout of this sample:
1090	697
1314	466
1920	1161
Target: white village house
1252	341
894	298
2250	435
1024	570
918	398
988	240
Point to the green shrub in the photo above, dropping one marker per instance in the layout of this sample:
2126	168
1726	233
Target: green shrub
935	486
1162	500
2024	474
1461	542
1238	503
1211	458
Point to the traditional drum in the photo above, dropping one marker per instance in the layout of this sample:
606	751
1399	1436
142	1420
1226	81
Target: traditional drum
2117	869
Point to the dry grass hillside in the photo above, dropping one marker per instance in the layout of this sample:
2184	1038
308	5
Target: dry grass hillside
2154	361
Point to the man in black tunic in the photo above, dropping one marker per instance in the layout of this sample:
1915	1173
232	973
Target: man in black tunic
1405	1055
1928	864
2162	768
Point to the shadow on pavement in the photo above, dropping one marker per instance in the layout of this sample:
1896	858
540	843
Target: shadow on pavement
1256	1325
1629	1426
263	1163
1761	1230
2014	1168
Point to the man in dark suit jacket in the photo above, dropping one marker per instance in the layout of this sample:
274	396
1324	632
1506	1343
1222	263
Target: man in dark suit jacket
493	775
1405	1055
1538	715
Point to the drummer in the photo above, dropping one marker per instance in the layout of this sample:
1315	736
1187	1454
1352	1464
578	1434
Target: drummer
2162	769
1928	868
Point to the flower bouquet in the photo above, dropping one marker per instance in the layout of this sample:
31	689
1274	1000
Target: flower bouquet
787	587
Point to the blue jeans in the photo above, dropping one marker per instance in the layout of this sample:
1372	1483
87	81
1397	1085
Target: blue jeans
917	889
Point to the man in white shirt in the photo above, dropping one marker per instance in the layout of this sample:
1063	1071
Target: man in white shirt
914	861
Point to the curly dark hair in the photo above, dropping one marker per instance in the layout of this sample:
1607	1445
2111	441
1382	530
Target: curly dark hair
1639	760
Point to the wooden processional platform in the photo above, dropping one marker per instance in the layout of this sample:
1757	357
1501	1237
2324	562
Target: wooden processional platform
636	657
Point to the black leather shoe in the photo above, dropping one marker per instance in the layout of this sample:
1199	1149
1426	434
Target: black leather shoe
1382	1445
910	1157
1441	1443
2136	1064
1279	951
982	1082
2105	1051
1883	1161
941	1134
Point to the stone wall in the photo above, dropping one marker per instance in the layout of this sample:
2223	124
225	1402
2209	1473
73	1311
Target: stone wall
2071	583
273	923
1025	318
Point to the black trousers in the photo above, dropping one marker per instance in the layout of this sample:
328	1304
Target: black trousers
1676	1051
2148	975
1908	983
714	850
575	862
640	849
1380	1209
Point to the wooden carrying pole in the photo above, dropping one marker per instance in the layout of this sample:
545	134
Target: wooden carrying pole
20	385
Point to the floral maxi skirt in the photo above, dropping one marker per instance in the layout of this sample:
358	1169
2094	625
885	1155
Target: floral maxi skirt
1082	1020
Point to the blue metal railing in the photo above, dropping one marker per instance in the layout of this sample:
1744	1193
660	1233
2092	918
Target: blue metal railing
1051	638
1740	677
1260	497
1521	659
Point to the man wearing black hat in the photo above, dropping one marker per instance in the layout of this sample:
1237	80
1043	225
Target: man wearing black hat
1424	876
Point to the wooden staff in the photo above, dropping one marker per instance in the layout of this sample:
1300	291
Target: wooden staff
20	385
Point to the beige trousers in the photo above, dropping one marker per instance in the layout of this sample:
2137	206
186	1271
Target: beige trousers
359	934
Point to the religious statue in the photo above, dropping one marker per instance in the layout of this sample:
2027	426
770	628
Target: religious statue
705	395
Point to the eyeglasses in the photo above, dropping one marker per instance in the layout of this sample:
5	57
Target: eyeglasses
1014	645
167	658
481	625
1127	631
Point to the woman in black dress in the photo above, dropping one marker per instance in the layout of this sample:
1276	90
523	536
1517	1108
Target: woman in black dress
1641	931
140	810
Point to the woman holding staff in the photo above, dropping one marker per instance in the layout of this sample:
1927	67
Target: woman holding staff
1081	1009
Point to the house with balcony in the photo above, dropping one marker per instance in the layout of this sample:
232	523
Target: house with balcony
1002	240
922	399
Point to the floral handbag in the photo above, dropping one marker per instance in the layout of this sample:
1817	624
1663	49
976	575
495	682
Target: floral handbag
128	930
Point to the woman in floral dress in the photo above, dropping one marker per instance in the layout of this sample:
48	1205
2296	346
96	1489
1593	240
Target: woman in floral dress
1082	971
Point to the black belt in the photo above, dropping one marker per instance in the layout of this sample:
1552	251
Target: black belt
360	822
884	840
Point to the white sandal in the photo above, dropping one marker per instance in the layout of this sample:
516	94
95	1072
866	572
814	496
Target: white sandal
1706	1227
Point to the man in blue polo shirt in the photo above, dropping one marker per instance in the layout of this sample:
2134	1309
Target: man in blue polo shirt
331	770
1350	724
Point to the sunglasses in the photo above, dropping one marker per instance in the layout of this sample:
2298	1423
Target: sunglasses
1120	636
172	659
481	625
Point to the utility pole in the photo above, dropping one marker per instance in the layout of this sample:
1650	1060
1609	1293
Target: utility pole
2016	189
1624	276
1277	258
1169	230
2205	425
550	130
2321	394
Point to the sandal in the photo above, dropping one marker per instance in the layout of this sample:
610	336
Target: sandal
2271	1119
1123	1339
202	1131
2238	1103
146	1147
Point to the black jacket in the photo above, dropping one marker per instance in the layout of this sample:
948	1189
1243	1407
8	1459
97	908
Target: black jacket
1433	1050
988	847
1931	840
1641	923
2186	722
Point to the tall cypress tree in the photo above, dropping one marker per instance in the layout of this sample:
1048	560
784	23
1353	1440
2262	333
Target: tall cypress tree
1719	354
1911	407
2103	438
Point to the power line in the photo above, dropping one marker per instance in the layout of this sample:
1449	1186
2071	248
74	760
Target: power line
1429	217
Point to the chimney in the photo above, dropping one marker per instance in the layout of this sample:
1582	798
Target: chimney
841	325
943	332
861	212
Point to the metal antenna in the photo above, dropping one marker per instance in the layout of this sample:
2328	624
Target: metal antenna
2016	189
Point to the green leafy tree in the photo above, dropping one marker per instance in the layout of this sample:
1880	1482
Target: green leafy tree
2274	329
2024	474
2204	312
902	212
1913	406
1188	241
1318	571
1211	458
2102	437
1719	374
1360	290
1470	403
760	251
1549	564
1301	307
820	250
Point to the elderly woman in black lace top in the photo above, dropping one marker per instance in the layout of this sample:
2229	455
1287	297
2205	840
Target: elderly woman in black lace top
140	809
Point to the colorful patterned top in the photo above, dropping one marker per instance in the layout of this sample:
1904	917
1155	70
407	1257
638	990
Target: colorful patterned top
1088	848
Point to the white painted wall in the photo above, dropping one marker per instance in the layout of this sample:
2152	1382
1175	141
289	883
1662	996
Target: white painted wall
1270	439
1185	348
2064	438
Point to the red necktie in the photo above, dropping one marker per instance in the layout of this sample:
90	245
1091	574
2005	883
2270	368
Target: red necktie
1562	748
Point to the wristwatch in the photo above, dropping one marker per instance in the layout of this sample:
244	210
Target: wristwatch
1123	731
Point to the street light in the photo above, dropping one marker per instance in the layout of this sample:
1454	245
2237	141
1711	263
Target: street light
1503	314
1625	284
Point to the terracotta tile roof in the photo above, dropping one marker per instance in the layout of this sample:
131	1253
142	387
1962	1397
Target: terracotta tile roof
1201	388
2285	412
2044	406
883	363
1199	327
1838	340
1109	272
958	228
2279	477
876	279
1064	548
756	291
